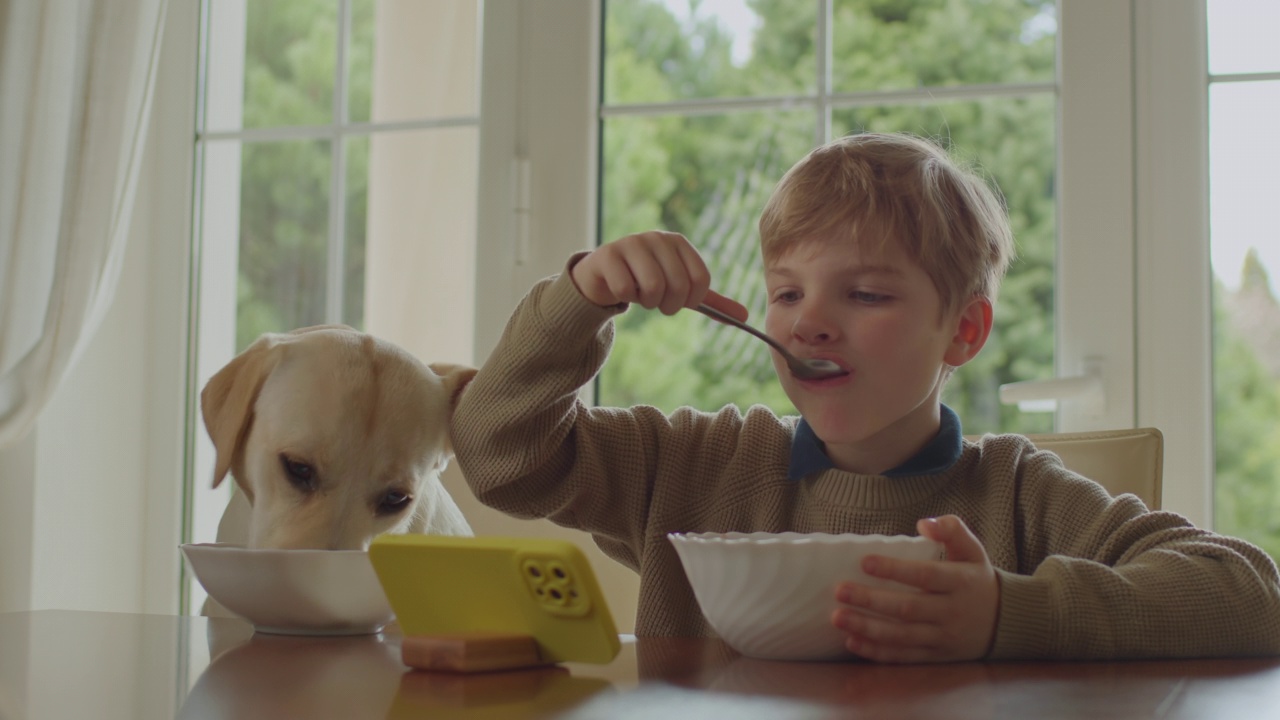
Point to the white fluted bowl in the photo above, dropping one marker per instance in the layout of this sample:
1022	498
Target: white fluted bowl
293	592
771	595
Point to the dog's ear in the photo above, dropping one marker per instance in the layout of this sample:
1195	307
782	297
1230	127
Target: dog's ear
227	400
456	378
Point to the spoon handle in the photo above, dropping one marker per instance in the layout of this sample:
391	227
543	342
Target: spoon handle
814	369
715	314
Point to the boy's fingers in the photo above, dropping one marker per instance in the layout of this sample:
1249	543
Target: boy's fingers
619	281
928	575
694	268
886	632
677	279
726	305
903	606
961	544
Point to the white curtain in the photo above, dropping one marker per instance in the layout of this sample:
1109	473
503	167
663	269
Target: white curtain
76	79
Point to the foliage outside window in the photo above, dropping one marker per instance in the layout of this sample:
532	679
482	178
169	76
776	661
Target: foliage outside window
1246	399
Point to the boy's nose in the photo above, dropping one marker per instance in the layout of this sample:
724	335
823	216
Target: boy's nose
814	326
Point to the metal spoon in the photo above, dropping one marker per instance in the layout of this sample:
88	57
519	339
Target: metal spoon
811	369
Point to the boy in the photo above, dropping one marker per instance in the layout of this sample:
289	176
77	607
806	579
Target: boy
883	256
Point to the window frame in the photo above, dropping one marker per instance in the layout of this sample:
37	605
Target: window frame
1174	279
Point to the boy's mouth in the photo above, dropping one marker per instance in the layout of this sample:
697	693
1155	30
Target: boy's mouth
826	381
838	379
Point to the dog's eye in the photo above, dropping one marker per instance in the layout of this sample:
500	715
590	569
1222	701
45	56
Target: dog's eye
393	502
300	474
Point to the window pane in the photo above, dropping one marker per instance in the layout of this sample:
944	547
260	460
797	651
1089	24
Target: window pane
284	225
1242	36
1245	246
934	43
662	50
708	178
289	61
1010	141
412	61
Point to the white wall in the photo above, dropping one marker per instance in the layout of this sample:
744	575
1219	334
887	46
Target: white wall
88	499
89	449
73	538
17	498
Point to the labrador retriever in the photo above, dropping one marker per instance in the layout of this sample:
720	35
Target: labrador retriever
333	437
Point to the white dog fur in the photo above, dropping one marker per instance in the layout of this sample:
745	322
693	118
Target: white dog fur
333	437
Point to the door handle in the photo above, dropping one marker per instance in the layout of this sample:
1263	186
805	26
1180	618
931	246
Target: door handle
1088	389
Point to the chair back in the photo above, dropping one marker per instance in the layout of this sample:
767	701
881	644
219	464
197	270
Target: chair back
1122	461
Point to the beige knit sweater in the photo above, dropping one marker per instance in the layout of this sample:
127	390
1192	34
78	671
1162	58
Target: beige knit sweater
1082	574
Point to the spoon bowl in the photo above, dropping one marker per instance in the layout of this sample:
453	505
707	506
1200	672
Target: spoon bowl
805	369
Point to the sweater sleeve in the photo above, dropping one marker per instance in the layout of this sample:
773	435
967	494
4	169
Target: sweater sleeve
1103	577
530	448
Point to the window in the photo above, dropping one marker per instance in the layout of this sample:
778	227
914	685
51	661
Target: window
1244	98
337	145
324	124
705	105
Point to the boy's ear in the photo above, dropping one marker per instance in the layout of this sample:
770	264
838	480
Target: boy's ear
973	327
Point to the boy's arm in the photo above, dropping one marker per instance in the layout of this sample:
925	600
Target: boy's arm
1111	580
525	442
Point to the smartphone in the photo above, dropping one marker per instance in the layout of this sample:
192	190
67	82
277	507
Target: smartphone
445	585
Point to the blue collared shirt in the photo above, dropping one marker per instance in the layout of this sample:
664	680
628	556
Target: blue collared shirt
808	456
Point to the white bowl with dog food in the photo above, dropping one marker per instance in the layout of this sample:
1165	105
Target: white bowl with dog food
771	595
293	592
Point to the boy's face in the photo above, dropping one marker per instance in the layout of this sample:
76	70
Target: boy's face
877	315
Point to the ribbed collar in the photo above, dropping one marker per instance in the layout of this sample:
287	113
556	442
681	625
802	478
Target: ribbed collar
808	455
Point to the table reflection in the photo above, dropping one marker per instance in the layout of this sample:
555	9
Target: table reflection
258	675
875	689
536	692
279	676
69	664
712	666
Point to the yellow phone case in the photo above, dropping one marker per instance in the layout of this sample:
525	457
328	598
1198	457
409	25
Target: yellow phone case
442	585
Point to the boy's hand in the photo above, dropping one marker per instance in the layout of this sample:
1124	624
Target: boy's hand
953	618
654	269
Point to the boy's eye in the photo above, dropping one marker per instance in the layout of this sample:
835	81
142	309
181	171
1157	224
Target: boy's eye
868	297
786	296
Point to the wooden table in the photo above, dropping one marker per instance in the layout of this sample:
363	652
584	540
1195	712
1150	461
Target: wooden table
64	664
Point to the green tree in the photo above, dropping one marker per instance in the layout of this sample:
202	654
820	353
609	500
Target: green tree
1246	426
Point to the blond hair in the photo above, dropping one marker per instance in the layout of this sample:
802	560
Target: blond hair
882	188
